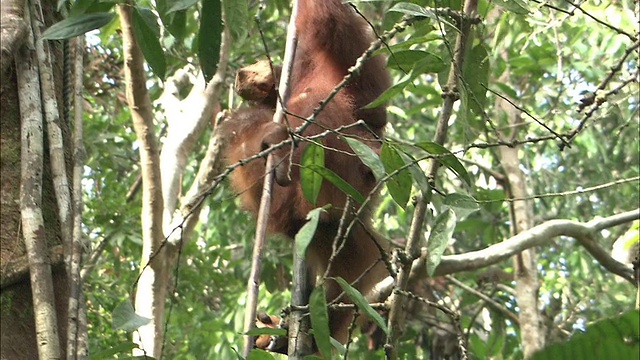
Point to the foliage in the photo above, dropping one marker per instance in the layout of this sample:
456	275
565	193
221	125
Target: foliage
617	337
543	59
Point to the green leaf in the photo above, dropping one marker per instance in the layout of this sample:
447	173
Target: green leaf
417	10
181	5
362	304
368	156
423	61
90	6
338	182
399	184
237	13
476	77
76	25
449	160
513	6
416	171
614	338
390	92
210	37
259	354
124	348
410	9
149	42
320	321
266	331
305	234
311	181
178	24
439	238
125	318
150	19
462	204
428	64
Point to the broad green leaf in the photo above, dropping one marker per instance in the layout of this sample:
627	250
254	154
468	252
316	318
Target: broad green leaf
614	338
76	25
418	61
390	92
181	5
462	204
259	354
416	172
150	19
476	77
447	159
429	64
149	42
320	321
439	238
237	13
311	181
125	318
178	24
399	184
173	20
368	156
338	182
91	6
305	234
209	37
362	304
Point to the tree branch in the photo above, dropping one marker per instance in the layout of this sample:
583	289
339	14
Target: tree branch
265	201
585	233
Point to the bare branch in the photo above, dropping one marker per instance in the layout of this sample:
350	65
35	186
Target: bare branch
265	201
585	233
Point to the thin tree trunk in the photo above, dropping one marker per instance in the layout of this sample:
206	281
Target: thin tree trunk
31	201
151	293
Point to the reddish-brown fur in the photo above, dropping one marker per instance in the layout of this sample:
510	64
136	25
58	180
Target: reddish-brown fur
331	37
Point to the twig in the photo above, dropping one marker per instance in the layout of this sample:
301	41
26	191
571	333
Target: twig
555	134
508	314
565	193
616	29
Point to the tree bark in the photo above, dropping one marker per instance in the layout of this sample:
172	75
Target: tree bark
151	293
532	329
18	337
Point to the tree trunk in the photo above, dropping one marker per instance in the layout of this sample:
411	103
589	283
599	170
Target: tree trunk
532	331
17	333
